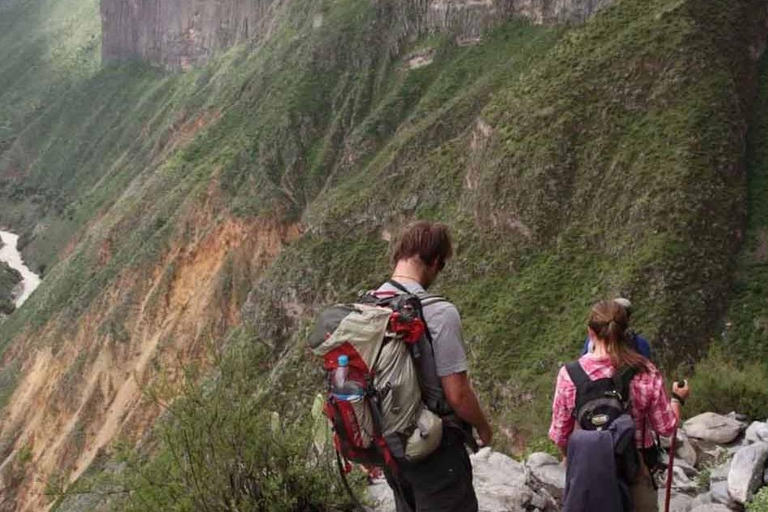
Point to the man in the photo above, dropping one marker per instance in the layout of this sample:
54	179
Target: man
443	481
637	342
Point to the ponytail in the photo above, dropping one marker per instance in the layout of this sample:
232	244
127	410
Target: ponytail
608	320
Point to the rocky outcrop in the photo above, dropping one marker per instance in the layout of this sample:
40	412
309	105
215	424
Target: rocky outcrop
746	474
546	472
719	477
178	34
181	33
502	485
715	428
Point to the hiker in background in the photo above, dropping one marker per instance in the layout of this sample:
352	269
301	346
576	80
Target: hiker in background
651	451
636	342
609	392
443	481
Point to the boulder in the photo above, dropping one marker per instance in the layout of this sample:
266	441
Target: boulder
720	473
702	499
747	470
714	428
689	470
546	472
681	482
738	416
677	502
713	507
500	483
684	450
719	493
757	432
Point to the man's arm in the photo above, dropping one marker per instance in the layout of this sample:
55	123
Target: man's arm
462	399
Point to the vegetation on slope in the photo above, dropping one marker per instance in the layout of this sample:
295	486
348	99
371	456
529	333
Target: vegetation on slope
572	166
9	278
612	167
734	375
47	49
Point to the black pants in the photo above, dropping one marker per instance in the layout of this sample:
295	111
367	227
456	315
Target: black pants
440	483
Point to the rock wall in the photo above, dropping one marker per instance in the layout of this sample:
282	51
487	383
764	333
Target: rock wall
471	17
178	34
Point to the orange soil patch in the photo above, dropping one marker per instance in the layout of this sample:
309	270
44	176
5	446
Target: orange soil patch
74	402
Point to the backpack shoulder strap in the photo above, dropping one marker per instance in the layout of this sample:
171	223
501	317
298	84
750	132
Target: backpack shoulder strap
427	299
397	285
622	379
577	374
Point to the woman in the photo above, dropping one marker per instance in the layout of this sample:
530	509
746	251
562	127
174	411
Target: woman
650	407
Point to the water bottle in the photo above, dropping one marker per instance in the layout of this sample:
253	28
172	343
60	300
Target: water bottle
345	388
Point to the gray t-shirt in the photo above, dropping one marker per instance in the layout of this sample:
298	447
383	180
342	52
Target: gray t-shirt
447	354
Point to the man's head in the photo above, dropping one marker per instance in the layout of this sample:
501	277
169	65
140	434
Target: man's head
423	248
621	301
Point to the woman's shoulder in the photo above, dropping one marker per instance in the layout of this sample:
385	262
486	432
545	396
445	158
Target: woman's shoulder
649	375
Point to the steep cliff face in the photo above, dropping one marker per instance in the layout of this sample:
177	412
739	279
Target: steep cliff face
184	33
181	33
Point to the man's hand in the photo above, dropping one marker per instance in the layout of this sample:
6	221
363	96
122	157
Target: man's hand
486	435
462	399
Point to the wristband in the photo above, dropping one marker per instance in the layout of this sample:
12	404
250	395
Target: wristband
678	398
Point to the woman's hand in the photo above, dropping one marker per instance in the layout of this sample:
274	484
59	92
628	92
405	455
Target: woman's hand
683	391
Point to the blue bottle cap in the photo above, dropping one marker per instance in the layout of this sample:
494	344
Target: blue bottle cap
343	360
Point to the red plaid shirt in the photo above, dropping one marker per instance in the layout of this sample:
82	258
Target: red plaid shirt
650	403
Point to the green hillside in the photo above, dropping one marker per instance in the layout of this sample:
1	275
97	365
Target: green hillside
9	278
572	164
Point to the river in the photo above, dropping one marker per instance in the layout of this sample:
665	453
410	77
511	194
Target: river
10	254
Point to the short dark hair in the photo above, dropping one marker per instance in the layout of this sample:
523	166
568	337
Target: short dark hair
430	241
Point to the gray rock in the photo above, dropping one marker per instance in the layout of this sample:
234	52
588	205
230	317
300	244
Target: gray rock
684	450
689	470
738	417
719	493
757	432
702	499
681	482
720	473
747	470
500	483
713	427
765	477
677	502
714	507
547	472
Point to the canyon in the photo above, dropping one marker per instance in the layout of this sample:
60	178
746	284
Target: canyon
197	179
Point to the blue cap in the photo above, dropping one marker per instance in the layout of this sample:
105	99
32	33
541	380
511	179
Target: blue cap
343	360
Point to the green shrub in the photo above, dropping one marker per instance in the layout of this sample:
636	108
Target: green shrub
759	502
222	449
722	384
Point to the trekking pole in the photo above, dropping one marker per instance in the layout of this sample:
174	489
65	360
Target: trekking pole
670	472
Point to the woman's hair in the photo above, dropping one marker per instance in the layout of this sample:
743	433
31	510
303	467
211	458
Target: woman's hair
609	320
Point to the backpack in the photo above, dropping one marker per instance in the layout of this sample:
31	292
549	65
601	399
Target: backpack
380	336
599	404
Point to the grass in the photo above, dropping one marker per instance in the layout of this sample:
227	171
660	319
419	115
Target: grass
572	165
9	278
